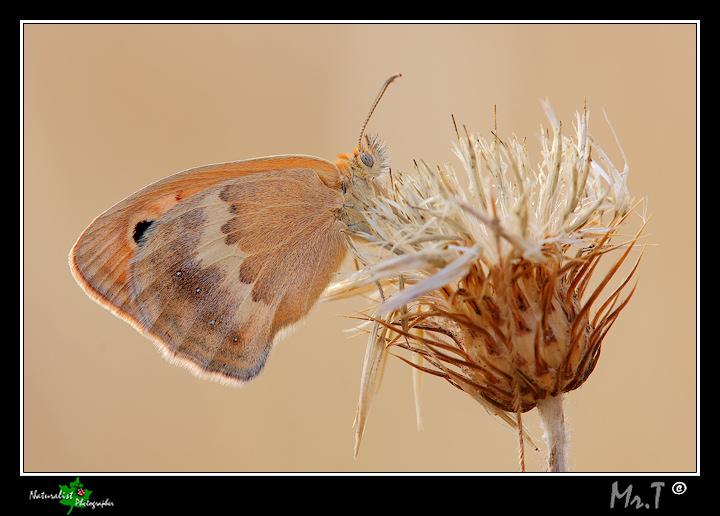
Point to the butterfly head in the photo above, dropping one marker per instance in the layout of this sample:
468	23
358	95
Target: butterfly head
372	158
368	161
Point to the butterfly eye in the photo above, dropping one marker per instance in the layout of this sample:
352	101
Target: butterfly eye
366	159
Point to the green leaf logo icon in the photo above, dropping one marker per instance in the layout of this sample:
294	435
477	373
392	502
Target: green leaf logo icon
74	495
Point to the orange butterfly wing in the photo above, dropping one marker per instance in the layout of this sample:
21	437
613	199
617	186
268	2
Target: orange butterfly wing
213	262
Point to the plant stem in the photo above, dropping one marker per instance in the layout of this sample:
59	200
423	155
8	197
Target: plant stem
556	438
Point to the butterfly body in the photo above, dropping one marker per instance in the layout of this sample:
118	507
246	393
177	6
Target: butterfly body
213	262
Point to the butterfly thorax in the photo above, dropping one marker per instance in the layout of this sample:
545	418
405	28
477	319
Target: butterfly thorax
357	175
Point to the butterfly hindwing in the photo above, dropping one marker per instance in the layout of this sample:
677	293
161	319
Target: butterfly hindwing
212	269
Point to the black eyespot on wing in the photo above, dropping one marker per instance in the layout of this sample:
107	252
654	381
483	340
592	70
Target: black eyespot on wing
140	230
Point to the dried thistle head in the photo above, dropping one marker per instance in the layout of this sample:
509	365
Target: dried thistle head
491	291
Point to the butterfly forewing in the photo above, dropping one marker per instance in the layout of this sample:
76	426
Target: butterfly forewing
213	262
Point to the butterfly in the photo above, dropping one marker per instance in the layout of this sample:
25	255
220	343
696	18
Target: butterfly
214	262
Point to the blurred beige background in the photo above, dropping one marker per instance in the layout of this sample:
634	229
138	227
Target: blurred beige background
111	108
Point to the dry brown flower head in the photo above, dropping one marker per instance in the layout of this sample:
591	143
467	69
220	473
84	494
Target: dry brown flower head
492	291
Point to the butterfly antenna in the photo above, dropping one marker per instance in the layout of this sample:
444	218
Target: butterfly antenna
382	90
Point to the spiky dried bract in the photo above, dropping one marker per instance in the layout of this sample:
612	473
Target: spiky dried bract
493	290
